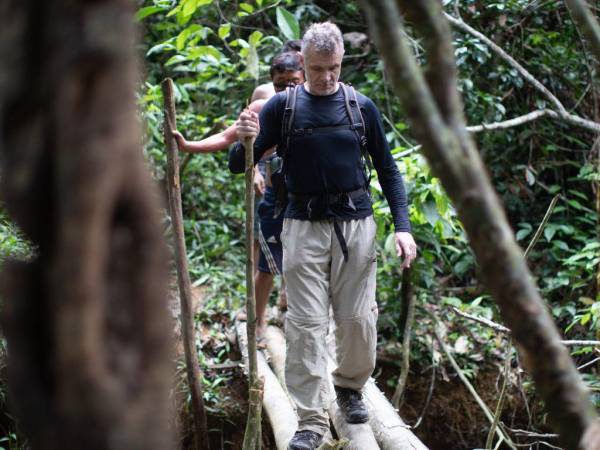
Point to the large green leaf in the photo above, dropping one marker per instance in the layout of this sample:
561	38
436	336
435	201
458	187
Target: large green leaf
252	62
288	25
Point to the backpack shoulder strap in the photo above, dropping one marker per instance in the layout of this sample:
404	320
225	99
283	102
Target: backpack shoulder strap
288	117
352	105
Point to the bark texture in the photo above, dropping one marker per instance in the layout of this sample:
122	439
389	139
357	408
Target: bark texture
194	375
455	160
86	317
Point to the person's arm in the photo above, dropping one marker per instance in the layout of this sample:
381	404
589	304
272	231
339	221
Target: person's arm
216	142
391	182
266	128
264	92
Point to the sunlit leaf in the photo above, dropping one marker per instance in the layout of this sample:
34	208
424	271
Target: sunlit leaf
224	30
287	23
147	11
247	7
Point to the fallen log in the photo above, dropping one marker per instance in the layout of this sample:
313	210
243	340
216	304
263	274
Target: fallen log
388	429
275	341
276	403
360	436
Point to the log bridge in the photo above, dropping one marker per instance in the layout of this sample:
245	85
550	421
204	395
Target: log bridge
385	429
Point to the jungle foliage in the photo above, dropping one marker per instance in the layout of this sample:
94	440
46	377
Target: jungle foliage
218	51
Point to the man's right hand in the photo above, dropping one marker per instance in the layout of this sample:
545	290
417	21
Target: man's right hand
181	142
259	183
247	125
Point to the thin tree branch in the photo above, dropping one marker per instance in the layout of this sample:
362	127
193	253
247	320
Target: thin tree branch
482	320
529	117
500	404
560	109
540	229
502	329
509	59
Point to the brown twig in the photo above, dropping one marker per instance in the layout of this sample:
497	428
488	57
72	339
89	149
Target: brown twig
500	404
541	227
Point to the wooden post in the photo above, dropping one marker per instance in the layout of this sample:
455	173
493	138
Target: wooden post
252	437
194	375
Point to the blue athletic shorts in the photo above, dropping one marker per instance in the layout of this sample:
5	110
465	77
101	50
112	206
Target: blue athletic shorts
270	235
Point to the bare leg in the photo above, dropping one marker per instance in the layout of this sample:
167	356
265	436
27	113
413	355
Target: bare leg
282	303
256	255
263	284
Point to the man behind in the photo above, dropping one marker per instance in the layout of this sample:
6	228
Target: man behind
329	233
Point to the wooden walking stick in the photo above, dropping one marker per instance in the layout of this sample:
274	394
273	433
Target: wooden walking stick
194	375
252	436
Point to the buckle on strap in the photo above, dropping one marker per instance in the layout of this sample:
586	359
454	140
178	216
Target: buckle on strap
302	131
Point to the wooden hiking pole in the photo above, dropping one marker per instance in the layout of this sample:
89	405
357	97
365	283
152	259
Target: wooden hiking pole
252	436
194	375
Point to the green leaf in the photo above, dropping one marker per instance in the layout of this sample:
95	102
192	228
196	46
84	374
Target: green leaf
164	46
287	23
431	213
585	318
549	232
224	30
255	38
247	7
147	11
189	7
184	35
523	233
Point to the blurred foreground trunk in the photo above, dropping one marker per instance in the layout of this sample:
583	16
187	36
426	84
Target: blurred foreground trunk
85	318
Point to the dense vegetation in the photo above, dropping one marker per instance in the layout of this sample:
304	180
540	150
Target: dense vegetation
217	52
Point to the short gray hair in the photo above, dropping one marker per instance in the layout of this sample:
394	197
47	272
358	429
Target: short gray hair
323	37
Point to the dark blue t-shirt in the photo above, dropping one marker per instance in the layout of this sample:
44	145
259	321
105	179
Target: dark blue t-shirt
329	162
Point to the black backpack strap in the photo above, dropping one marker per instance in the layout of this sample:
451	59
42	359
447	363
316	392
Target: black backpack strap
352	105
287	122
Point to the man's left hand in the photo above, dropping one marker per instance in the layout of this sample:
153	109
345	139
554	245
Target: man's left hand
406	248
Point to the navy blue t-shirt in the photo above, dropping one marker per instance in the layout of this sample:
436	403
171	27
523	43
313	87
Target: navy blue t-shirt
329	162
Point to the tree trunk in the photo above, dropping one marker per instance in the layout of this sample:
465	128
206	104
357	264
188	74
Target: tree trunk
194	375
85	317
435	112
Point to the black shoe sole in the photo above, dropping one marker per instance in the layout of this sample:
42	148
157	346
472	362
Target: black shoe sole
357	421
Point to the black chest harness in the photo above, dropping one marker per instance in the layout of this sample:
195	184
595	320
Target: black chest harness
319	206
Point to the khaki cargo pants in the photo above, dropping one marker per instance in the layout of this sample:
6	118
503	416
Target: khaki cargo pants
316	277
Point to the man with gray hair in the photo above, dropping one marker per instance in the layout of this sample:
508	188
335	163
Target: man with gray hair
327	135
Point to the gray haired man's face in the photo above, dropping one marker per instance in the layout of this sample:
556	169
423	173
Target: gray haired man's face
322	71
